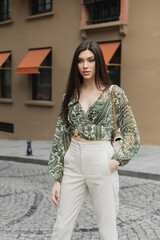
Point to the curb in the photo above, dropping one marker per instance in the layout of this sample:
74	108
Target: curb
25	160
145	175
28	159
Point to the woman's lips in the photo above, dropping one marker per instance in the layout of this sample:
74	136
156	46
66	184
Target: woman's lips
86	72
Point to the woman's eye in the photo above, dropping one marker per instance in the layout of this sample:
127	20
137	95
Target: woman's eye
92	60
89	60
79	60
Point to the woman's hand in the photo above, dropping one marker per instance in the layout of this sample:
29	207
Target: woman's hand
113	165
56	192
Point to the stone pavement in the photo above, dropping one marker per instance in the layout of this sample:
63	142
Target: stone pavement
27	213
146	164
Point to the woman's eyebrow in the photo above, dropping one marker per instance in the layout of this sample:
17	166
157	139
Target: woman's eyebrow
87	58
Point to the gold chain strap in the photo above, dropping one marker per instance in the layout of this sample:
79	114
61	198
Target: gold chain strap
114	114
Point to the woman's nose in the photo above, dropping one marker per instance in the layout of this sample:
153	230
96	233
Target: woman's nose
85	64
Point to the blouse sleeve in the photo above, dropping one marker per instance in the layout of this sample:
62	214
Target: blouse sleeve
128	127
58	150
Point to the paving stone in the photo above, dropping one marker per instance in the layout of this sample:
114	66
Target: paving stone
27	212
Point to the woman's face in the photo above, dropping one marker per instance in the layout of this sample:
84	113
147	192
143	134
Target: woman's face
86	64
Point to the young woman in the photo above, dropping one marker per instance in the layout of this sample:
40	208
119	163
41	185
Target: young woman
90	164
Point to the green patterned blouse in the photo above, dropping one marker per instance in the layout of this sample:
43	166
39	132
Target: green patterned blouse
96	124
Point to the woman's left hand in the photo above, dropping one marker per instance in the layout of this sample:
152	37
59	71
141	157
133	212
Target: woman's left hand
113	165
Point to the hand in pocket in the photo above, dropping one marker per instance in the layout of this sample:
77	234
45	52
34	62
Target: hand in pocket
113	165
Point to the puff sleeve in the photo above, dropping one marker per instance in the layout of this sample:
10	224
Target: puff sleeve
128	127
58	150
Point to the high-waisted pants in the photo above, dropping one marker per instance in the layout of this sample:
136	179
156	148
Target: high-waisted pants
86	170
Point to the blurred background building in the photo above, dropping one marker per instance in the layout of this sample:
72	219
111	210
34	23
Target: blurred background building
37	42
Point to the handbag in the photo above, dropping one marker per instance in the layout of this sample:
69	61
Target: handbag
117	139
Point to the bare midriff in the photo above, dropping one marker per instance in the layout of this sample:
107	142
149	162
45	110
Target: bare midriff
80	139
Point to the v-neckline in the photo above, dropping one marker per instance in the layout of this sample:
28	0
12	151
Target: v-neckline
86	113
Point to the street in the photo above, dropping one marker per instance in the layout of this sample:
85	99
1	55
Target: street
27	213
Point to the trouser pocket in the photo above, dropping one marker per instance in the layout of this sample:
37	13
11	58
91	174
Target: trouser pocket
115	180
110	152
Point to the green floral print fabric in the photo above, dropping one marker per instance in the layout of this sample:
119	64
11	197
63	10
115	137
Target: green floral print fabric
96	124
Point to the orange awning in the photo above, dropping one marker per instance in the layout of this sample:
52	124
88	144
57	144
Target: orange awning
32	61
4	57
108	50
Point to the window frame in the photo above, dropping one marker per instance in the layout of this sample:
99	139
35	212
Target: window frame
35	5
114	66
96	11
7	11
36	78
3	75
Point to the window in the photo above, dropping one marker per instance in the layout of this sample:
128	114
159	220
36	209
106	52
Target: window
38	63
5	79
41	83
112	57
41	6
7	127
100	11
114	67
5	10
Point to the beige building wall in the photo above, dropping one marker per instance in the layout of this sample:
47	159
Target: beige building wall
140	67
59	31
140	57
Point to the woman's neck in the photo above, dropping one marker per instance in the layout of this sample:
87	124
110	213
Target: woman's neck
89	84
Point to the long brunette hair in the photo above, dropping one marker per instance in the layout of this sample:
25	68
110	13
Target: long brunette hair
75	80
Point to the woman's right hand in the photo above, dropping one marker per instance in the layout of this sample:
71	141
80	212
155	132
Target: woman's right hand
56	192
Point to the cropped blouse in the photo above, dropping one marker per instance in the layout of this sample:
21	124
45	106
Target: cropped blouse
96	124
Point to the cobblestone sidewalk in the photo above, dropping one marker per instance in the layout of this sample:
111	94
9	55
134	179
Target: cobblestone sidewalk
27	213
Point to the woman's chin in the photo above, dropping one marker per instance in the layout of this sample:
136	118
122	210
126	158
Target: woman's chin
88	77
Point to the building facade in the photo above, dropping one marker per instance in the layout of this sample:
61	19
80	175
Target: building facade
37	43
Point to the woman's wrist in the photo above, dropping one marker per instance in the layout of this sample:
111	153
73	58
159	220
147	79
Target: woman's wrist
116	161
55	181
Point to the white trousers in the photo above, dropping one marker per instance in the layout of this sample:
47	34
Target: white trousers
86	170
